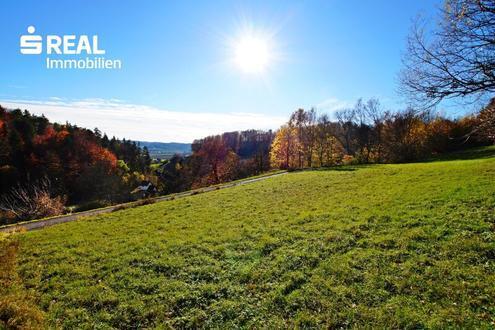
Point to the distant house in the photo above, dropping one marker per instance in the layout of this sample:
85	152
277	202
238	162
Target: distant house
144	190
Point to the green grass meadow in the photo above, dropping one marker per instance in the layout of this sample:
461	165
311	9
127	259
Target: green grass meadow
381	246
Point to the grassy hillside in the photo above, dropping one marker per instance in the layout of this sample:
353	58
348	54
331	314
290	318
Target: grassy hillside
408	245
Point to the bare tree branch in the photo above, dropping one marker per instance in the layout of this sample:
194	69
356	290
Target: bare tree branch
456	60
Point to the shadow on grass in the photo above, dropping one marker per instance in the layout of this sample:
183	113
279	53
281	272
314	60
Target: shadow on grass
467	154
473	153
338	168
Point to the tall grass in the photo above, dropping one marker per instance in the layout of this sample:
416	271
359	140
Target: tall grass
17	305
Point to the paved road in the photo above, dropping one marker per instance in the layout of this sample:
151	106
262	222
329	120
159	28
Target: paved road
39	224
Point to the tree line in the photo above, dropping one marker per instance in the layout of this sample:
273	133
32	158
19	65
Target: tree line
216	159
50	166
366	133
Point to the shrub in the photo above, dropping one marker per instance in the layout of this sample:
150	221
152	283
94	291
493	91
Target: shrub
32	201
349	160
7	217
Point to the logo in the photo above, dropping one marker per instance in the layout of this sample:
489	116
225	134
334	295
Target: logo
65	48
31	44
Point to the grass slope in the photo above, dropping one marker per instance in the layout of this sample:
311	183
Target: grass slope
408	245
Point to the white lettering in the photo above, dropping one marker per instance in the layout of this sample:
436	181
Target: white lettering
53	44
69	44
97	51
84	45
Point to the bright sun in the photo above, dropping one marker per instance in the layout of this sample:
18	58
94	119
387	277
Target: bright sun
252	54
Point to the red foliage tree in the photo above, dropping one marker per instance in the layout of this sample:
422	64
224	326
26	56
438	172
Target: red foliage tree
217	162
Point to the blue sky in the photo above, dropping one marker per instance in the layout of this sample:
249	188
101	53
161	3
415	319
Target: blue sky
178	81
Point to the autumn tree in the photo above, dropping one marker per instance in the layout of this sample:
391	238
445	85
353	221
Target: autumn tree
174	175
359	130
327	147
404	136
304	123
440	136
368	125
486	122
217	163
285	148
81	164
375	115
346	118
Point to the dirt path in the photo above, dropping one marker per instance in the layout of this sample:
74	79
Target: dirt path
39	224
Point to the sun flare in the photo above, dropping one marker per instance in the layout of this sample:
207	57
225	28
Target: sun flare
252	54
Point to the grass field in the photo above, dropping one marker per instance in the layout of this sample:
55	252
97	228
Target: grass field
401	246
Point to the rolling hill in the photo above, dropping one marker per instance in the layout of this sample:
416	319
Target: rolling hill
166	150
394	246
